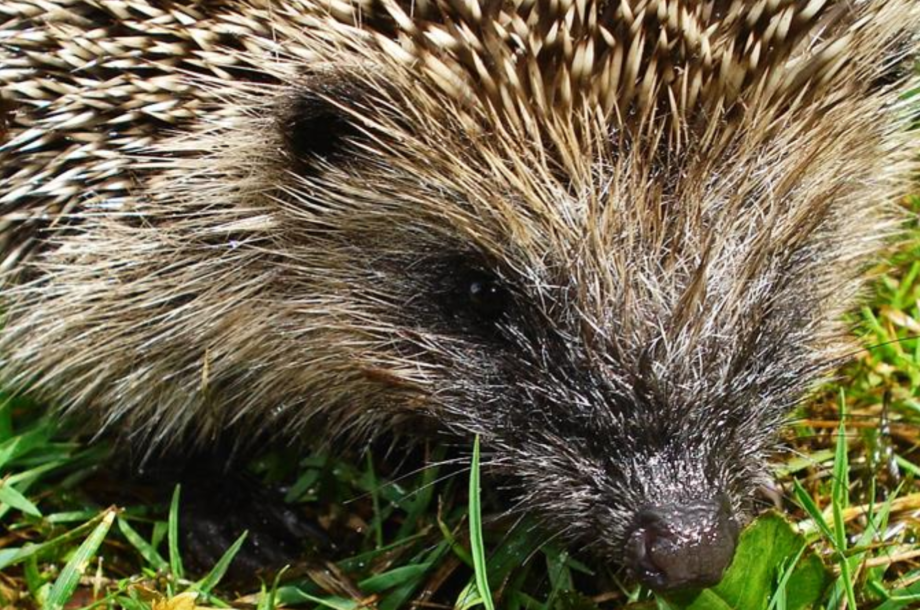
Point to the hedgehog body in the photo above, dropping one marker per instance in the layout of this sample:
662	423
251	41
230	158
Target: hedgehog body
613	239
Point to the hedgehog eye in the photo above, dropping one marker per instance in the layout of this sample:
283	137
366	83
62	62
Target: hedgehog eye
485	296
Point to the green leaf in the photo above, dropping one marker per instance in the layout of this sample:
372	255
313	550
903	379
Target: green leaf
752	577
903	598
6	419
477	546
23	444
840	491
468	598
455	546
808	504
150	554
172	537
268	599
358	562
69	578
333	602
780	599
400	595
560	576
518	546
377	521
11	497
14	555
206	584
393	578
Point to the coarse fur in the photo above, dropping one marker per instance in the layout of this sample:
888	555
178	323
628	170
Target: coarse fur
260	215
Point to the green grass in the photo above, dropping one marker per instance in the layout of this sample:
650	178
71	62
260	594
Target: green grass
431	539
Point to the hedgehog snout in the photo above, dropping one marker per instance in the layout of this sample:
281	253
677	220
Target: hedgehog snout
678	546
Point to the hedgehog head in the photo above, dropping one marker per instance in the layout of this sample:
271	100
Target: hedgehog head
616	248
610	239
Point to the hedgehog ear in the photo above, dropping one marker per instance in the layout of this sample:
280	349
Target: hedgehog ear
315	126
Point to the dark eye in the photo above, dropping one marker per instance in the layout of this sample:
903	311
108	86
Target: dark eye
485	296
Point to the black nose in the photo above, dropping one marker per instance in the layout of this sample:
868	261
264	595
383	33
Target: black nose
682	546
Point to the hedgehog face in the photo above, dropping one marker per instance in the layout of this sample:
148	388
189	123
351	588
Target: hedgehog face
601	311
605	450
634	429
619	444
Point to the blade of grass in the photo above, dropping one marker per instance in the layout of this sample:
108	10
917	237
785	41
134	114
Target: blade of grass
10	496
67	581
150	554
377	521
393	578
267	599
400	596
23	444
6	419
36	582
422	496
206	584
355	563
477	547
840	490
778	599
817	517
455	546
172	537
12	556
333	602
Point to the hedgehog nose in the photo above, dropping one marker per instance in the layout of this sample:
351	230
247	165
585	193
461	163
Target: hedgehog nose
682	546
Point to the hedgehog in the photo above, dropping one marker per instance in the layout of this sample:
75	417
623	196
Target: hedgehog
612	239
